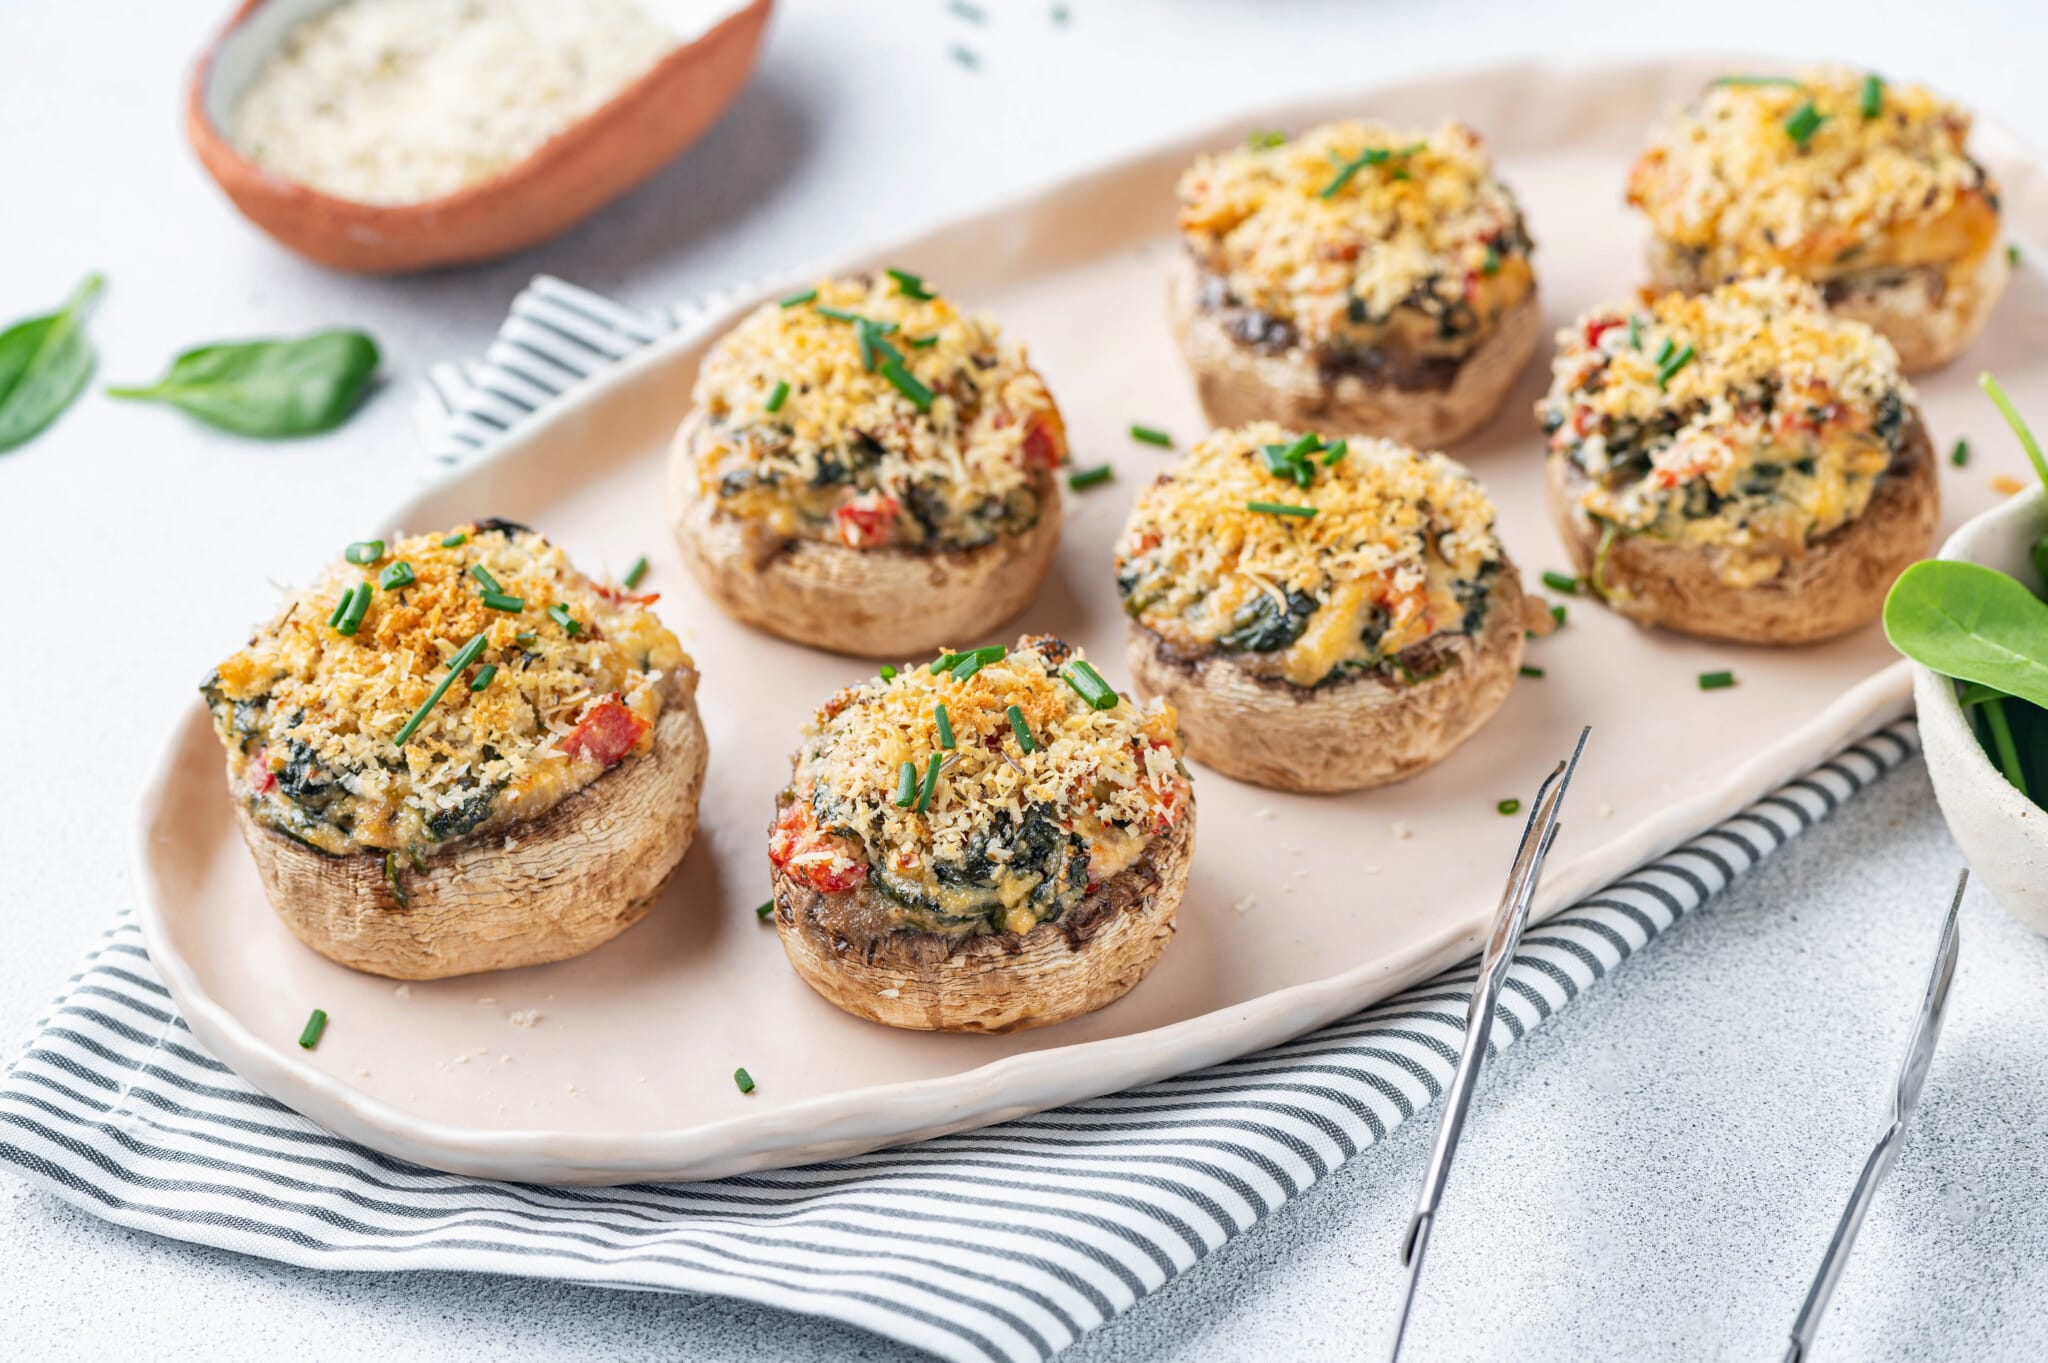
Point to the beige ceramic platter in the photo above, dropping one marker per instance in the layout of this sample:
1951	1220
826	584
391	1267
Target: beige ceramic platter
1300	910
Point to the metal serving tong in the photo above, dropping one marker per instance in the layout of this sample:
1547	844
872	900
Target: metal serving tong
1919	1052
1508	920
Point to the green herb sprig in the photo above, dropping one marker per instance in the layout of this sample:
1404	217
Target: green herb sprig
269	389
45	363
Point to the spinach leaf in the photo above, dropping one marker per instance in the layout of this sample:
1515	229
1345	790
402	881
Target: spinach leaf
1972	623
44	363
269	389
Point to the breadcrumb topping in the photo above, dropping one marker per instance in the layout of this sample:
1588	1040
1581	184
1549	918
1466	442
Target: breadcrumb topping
1355	234
814	427
1747	419
310	716
1012	833
1730	184
1400	549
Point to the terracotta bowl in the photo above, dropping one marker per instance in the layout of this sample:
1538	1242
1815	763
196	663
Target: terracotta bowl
2003	834
563	181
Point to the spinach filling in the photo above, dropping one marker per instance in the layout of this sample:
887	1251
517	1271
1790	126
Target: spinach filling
1035	863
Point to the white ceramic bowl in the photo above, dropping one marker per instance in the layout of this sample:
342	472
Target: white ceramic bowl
2003	834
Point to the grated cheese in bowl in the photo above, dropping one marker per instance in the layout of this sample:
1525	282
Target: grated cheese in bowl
401	101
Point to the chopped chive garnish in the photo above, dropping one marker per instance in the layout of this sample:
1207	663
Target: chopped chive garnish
931	783
2012	253
1088	684
776	398
1304	447
839	314
1562	582
945	723
743	1079
1664	351
944	662
1509	806
1280	509
1266	141
888	672
500	601
457	665
1335	452
450	541
965	56
483	575
1635	332
765	911
1996	392
1872	103
924	342
396	575
1022	730
559	613
797	300
635	573
1152	435
910	285
483	676
1529	671
1087	478
315	1025
907	384
1716	681
906	785
526	638
358	606
364	552
1756	80
391	878
1803	123
1669	369
967	666
1490	265
1960	455
1557	614
1371	156
348	594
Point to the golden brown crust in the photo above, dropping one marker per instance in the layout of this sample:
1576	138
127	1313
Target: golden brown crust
1930	314
872	603
990	982
1838	586
547	890
1238	384
1348	735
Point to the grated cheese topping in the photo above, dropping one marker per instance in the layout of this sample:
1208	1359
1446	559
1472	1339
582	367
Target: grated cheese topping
1401	550
1419	244
401	101
1009	837
309	715
1774	433
845	455
1729	189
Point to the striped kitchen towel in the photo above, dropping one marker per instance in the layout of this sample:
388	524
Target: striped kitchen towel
1001	1244
1005	1243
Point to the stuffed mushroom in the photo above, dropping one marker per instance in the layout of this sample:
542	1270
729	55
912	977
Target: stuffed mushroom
455	752
1357	278
868	470
1865	189
1739	464
1323	614
986	842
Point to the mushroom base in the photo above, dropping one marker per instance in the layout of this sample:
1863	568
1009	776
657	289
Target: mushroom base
1238	383
1348	735
872	603
1839	585
990	982
561	885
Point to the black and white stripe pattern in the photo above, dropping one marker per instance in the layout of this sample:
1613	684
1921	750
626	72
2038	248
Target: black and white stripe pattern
1005	1243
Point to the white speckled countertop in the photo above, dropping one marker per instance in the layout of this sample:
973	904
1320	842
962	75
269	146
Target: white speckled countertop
1653	1175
